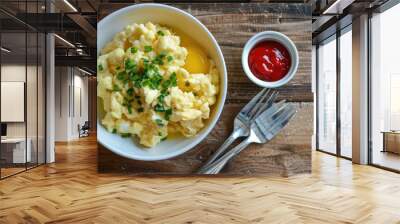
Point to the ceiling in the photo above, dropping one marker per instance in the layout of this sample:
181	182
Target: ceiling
16	42
72	20
331	15
75	21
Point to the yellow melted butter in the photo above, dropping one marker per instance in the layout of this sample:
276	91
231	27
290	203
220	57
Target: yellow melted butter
196	60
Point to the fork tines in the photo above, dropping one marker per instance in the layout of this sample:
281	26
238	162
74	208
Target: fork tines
270	122
263	100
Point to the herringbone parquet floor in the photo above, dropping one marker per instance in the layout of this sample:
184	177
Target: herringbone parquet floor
71	191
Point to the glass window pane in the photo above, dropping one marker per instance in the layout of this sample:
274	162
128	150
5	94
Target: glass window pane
22	88
13	86
385	87
346	94
31	98
327	96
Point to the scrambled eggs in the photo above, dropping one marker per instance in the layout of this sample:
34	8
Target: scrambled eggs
151	86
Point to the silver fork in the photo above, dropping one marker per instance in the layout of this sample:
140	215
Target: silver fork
242	122
263	129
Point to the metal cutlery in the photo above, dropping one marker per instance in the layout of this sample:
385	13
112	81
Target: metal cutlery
263	100
266	126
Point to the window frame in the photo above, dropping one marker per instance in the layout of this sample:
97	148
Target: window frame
336	36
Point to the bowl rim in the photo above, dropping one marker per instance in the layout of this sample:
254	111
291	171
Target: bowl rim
217	109
285	41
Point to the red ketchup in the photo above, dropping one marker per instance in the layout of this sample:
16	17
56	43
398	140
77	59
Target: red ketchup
269	61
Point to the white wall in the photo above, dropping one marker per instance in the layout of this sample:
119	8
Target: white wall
70	83
80	110
62	81
12	73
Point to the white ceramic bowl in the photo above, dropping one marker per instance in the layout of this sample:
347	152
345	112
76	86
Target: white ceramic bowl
278	37
174	18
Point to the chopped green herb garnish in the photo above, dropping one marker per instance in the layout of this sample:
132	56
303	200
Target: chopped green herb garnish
147	49
159	59
138	84
163	139
118	67
125	135
100	67
161	33
149	76
164	91
159	108
168	114
121	75
170	58
170	82
173	79
116	88
130	91
130	65
134	77
114	130
166	84
159	122
146	82
153	81
134	50
161	97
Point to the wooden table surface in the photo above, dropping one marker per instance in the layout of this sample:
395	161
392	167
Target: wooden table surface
233	24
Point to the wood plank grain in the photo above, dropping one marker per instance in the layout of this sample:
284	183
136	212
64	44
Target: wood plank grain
289	153
233	24
72	191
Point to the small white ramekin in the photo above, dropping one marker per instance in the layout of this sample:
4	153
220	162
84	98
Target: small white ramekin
274	36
